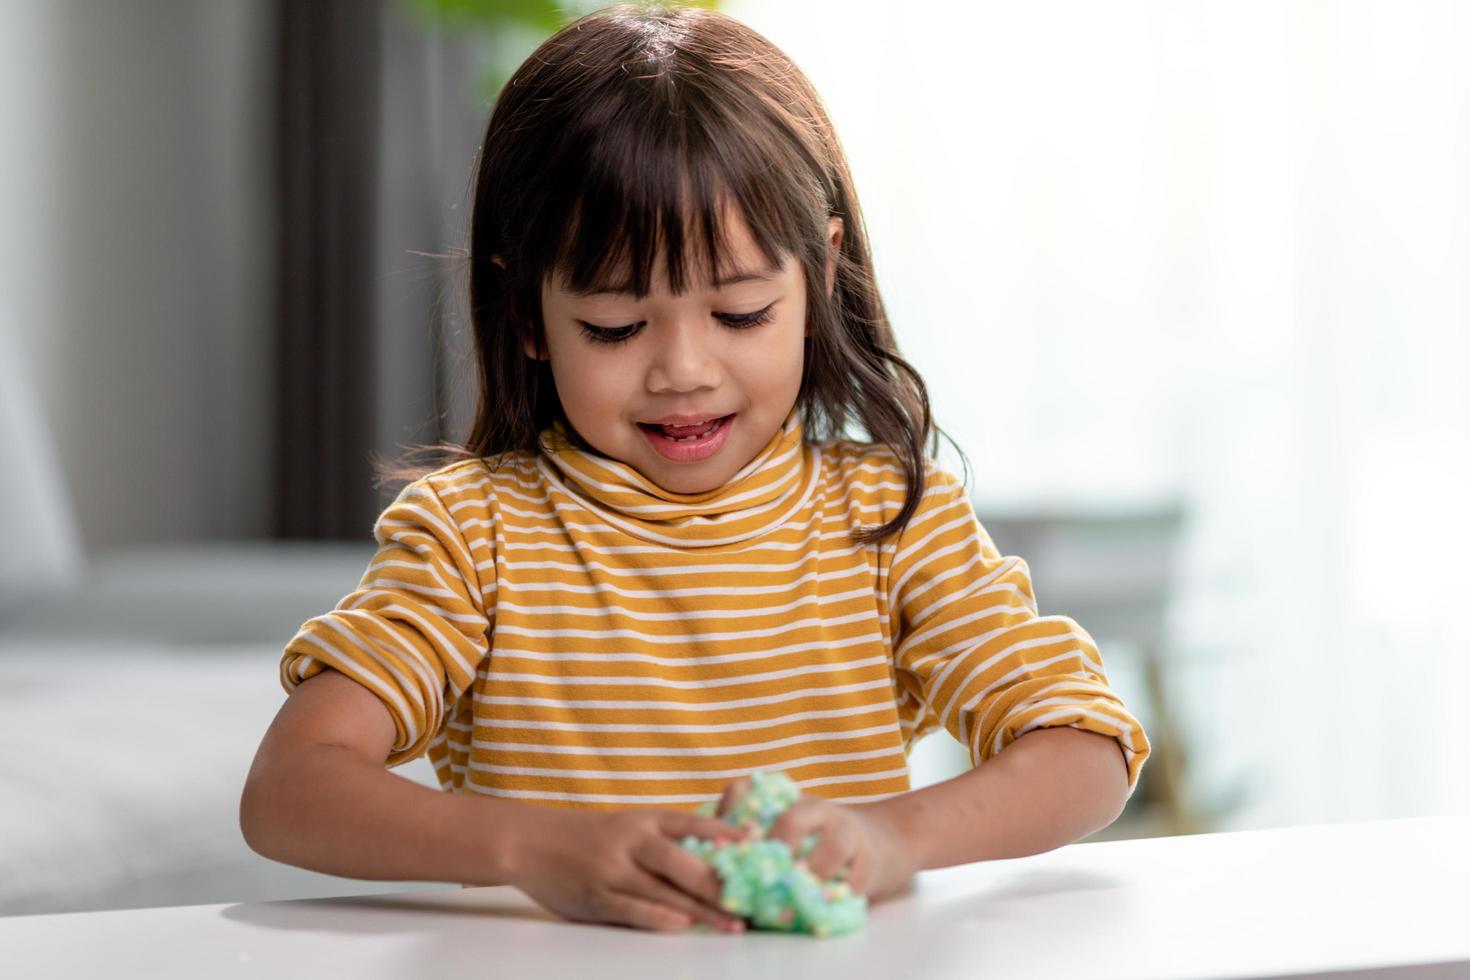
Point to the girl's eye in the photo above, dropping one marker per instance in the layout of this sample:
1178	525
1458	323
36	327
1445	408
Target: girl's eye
741	321
614	335
607	335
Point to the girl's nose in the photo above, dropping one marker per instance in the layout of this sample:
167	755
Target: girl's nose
684	359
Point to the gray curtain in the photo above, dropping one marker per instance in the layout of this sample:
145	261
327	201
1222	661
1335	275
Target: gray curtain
377	124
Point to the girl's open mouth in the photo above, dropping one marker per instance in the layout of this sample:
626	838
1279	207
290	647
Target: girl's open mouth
698	442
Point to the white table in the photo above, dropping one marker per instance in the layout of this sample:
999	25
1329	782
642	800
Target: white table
1365	900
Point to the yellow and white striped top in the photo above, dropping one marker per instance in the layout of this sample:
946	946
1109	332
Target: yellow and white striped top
561	630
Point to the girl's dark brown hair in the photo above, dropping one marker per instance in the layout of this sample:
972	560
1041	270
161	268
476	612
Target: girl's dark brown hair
627	130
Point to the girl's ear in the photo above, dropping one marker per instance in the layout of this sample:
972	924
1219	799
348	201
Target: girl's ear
534	351
535	347
498	261
834	242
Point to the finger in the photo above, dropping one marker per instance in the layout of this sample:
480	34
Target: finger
631	910
834	849
801	818
655	889
858	871
734	791
672	863
677	824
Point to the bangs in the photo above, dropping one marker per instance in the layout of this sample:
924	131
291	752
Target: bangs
656	178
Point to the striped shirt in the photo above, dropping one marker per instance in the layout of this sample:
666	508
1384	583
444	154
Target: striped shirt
559	629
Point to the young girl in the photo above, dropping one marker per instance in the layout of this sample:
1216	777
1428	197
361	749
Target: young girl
659	564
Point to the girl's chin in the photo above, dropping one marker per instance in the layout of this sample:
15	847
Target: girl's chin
682	482
686	478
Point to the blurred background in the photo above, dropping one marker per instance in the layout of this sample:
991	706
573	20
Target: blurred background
1186	279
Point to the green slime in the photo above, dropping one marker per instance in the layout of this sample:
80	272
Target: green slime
763	882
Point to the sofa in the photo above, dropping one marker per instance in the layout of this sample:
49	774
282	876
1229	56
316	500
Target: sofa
131	704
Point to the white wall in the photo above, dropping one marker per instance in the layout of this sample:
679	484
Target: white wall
136	196
1217	250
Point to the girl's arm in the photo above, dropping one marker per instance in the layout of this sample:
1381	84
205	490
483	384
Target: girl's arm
992	669
318	797
319	794
1048	788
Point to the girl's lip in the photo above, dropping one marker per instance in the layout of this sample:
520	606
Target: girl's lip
691	450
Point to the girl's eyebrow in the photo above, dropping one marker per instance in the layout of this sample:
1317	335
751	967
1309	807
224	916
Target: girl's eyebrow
597	289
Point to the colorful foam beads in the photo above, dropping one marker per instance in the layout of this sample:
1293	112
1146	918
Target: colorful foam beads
763	882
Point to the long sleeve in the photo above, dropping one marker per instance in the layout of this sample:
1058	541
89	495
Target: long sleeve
415	629
970	637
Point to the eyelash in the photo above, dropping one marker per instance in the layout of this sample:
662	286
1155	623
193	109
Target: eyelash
616	335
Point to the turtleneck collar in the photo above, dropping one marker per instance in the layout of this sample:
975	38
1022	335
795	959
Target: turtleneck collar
762	494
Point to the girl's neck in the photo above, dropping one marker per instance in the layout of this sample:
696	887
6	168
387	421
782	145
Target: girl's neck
758	496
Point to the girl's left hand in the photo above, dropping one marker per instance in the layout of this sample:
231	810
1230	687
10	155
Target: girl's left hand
856	844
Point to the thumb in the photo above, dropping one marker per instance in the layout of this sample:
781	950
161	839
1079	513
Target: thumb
734	790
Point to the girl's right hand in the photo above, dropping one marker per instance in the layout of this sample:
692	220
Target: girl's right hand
624	867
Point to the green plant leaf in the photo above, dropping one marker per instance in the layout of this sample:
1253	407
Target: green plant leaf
508	29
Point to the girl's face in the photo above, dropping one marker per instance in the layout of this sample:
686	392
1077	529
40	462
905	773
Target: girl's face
730	350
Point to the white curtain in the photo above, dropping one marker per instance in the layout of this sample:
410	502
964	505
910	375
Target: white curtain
42	549
1216	252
